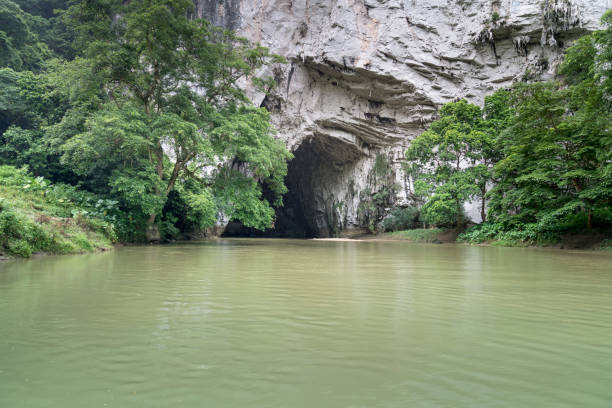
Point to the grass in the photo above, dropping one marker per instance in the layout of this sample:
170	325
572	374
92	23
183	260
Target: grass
529	236
606	245
417	235
32	222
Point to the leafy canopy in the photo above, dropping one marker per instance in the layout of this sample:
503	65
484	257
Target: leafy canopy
451	162
172	109
558	147
20	48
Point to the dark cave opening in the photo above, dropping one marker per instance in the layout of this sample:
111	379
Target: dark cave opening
292	219
308	205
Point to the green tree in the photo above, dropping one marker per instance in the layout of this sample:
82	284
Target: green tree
451	162
174	108
558	147
28	104
20	48
48	26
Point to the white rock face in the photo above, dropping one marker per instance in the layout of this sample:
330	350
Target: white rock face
367	76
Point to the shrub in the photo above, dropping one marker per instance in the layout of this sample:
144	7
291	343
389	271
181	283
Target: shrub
20	247
440	211
419	235
518	234
19	236
82	242
480	233
401	219
29	215
606	244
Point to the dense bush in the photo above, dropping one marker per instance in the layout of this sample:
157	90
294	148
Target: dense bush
401	218
20	236
430	235
542	149
147	131
441	210
37	216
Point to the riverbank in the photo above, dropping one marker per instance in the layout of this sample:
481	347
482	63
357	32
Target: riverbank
35	219
593	241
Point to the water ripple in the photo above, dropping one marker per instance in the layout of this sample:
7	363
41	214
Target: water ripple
274	323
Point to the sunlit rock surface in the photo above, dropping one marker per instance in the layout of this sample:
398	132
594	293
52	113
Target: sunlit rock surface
366	76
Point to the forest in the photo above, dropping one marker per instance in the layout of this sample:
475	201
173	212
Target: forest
137	129
537	157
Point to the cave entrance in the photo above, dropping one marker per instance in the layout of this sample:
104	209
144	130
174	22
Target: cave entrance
315	177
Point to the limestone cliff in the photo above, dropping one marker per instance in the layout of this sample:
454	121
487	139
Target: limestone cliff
366	76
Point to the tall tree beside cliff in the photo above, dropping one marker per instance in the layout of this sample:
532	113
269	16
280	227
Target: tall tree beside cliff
557	162
172	107
451	162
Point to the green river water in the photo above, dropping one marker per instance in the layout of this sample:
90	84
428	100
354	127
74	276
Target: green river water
295	323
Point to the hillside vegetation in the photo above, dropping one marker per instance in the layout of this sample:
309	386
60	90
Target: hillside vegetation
133	124
144	111
537	158
39	217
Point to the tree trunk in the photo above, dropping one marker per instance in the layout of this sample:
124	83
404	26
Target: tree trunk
459	214
152	233
483	204
590	220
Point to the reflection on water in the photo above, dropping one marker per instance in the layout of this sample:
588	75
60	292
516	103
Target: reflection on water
290	323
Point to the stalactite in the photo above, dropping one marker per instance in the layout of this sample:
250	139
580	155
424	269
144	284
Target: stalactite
520	44
558	16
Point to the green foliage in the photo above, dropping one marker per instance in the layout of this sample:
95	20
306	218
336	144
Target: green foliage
372	205
479	233
171	112
201	209
137	191
418	235
606	245
555	172
49	27
20	99
60	200
244	137
37	216
523	234
149	116
43	8
148	126
27	105
401	218
189	208
240	198
20	236
22	146
441	210
451	163
19	45
546	148
557	154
